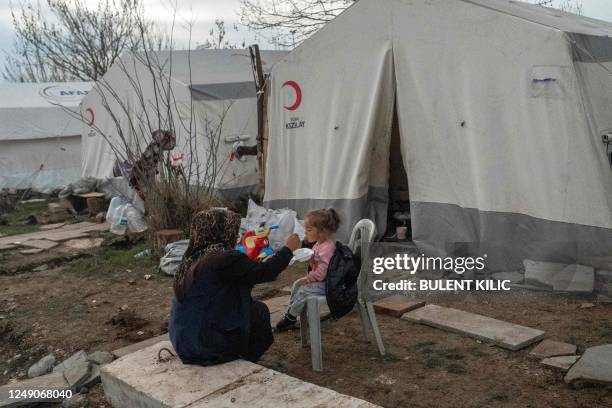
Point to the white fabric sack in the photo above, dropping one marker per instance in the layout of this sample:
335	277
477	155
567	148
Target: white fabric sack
173	257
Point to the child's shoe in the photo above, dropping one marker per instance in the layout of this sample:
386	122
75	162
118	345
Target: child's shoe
288	322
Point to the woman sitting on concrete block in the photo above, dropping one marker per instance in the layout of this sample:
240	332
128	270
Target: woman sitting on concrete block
214	318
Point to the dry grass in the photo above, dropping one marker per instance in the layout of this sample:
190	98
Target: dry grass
170	205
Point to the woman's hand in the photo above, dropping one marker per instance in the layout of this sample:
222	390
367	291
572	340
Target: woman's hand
293	242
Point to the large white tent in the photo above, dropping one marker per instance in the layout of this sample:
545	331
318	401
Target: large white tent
501	107
40	141
217	84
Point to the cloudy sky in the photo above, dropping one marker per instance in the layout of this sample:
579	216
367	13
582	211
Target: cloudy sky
203	11
206	11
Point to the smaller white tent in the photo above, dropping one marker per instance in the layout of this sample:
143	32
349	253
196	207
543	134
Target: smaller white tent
213	84
40	143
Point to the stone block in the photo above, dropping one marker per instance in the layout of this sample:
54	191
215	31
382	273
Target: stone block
40	244
541	273
72	361
595	366
575	279
562	363
513	277
551	348
503	334
77	375
140	380
123	351
397	305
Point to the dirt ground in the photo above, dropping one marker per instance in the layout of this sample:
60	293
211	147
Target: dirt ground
104	302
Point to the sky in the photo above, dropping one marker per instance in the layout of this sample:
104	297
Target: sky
203	11
206	11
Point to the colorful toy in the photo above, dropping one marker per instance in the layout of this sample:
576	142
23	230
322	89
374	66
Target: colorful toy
255	243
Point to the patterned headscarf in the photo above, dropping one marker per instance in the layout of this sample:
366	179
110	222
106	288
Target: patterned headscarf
212	232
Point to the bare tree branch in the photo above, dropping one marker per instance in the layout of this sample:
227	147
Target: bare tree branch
75	42
296	20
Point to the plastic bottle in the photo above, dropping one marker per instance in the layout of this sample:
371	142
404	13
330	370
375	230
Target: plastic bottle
135	220
112	209
120	223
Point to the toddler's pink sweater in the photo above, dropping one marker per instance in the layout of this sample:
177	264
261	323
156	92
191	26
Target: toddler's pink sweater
323	252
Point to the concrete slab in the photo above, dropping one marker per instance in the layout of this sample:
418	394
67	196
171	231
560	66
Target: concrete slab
52	226
415	316
605	299
397	305
552	348
513	277
78	375
541	273
53	381
94	376
86	226
601	262
40	244
276	304
83	243
562	363
560	277
31	251
268	388
70	231
101	357
42	366
278	307
537	288
575	279
60	236
503	334
595	366
123	351
604	275
72	361
140	380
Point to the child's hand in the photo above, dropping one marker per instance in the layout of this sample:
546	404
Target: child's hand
312	263
293	242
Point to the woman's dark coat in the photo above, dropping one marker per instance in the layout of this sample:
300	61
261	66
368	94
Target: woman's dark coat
212	323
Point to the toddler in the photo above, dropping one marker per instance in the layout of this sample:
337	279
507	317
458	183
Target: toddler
319	227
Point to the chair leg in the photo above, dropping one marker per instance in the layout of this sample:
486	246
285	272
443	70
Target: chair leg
314	329
304	328
374	326
363	318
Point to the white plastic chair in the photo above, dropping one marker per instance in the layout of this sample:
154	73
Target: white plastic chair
310	324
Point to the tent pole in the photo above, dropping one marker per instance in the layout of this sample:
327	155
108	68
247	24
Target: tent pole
259	86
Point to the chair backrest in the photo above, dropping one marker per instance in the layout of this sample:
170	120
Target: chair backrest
361	237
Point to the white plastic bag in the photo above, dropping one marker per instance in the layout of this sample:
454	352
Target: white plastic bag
285	218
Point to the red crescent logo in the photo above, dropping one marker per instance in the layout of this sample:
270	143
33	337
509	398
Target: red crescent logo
298	95
92	116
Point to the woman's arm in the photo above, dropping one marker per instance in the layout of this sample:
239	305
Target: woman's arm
244	271
247	272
